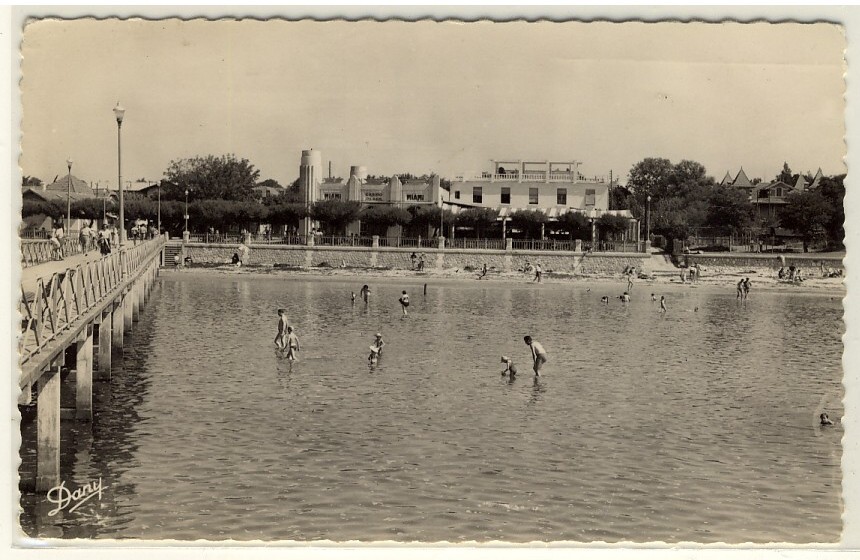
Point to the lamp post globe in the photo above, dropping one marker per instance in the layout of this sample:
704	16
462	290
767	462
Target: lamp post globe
68	224
119	113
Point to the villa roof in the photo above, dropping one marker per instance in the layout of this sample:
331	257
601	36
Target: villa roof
817	179
62	184
801	183
727	180
741	180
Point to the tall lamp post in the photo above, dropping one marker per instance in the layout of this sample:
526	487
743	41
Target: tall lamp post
648	218
185	233
119	112
68	226
159	208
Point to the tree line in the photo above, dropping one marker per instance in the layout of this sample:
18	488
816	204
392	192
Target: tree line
684	198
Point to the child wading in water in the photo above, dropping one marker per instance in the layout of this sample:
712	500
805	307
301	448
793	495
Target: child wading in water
509	366
293	343
663	304
282	329
404	302
538	353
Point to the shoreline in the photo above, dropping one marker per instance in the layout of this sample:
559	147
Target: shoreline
768	283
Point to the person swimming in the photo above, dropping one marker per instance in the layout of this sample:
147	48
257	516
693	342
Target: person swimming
825	420
653	297
625	297
604	299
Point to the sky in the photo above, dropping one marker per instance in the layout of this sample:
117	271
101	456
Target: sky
426	97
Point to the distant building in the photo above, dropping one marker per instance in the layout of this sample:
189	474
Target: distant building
769	198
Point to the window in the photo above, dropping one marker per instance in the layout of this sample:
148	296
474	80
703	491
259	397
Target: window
331	196
477	197
506	195
561	197
457	195
779	191
590	195
762	193
533	195
415	196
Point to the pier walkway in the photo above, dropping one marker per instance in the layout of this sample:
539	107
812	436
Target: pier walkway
67	308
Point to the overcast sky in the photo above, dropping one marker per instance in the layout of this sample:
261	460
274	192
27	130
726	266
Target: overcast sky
431	97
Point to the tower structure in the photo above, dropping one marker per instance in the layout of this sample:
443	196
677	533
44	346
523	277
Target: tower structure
310	177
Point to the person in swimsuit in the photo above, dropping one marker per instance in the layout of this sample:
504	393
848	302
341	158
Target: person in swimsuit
365	292
604	300
404	302
663	304
625	297
538	353
741	289
510	368
293	344
379	343
282	329
747	285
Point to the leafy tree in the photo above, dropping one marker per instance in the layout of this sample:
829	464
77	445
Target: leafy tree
425	216
271	183
211	177
287	214
676	217
806	213
785	175
730	209
379	218
612	225
576	224
478	218
335	215
833	190
650	176
31	181
529	221
42	208
620	198
92	208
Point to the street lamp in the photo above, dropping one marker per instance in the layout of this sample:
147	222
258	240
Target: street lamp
648	218
159	208
69	200
186	213
119	112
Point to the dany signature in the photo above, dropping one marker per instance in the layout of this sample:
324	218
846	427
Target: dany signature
64	497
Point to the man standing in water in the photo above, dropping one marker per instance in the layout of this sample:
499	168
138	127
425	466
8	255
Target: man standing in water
404	302
747	285
538	353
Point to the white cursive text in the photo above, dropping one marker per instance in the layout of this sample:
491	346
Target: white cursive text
63	497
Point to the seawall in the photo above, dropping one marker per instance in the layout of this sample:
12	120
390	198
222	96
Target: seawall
568	262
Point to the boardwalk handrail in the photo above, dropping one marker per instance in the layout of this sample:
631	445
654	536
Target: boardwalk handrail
36	251
60	300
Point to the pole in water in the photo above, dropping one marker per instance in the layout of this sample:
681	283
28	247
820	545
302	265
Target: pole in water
425	289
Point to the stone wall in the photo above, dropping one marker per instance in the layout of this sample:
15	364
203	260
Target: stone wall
735	264
399	258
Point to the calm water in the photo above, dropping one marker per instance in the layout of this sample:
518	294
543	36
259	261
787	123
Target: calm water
698	425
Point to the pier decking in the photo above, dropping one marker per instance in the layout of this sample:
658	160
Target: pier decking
63	304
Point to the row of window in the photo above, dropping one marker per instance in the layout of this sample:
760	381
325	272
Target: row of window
534	196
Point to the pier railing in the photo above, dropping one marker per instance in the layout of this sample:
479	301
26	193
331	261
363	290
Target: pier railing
36	251
60	300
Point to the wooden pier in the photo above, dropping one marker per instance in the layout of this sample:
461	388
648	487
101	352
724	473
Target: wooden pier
60	315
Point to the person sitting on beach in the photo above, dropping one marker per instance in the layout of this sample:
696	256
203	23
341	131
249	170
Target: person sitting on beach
825	419
625	297
282	329
510	368
404	302
605	300
781	273
292	344
189	261
538	353
236	260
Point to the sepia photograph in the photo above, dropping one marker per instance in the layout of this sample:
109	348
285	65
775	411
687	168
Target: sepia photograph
433	281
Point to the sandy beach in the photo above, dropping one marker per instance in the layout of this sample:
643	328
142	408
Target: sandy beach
765	280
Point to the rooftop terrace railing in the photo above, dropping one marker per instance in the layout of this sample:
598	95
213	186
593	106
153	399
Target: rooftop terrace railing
531	176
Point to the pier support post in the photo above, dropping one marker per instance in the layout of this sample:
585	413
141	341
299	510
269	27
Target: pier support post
127	311
84	375
105	331
134	294
48	431
117	322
